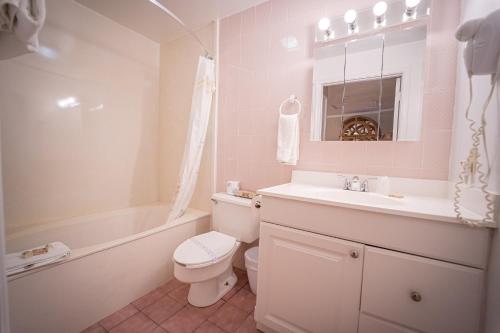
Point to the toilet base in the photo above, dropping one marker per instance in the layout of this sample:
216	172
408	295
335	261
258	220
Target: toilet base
208	292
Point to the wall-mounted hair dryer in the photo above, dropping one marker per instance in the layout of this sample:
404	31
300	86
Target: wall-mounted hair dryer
482	57
482	51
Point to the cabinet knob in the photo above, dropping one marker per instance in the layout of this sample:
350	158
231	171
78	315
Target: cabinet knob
416	296
354	254
258	204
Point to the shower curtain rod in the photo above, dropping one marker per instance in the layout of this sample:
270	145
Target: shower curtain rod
178	20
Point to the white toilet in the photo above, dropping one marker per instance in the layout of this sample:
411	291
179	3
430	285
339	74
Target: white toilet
205	261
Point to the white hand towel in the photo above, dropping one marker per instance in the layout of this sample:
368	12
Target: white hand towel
15	263
20	23
288	139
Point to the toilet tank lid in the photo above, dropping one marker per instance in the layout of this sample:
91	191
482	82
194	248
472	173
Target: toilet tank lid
228	198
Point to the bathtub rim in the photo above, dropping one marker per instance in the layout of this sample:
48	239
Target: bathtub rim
71	220
191	215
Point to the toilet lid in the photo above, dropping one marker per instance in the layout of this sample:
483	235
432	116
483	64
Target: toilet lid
204	248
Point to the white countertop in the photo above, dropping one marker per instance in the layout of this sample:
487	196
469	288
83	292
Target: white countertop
424	207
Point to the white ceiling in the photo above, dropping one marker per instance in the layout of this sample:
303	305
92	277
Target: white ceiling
145	18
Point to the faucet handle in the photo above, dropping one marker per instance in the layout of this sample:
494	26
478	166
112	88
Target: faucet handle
364	185
347	182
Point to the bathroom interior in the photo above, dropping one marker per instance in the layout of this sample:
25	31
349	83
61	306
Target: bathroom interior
249	166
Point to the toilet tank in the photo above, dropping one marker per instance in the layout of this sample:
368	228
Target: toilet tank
236	217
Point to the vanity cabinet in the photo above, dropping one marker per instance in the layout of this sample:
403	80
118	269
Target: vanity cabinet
308	282
311	280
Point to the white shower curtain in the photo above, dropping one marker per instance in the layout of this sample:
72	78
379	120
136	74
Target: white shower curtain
201	104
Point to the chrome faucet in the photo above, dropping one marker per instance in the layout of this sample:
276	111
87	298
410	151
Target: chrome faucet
355	184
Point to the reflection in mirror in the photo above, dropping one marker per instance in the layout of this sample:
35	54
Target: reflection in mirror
369	89
360	118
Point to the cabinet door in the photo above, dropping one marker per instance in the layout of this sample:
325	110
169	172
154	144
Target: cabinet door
422	294
308	282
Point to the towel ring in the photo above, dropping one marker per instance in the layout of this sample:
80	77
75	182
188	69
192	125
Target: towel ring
292	100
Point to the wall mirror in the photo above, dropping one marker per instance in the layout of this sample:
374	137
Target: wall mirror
370	89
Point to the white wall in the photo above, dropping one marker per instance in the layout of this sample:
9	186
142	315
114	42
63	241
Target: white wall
97	156
461	142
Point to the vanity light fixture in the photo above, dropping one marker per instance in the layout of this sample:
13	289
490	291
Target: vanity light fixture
350	18
411	9
379	11
324	25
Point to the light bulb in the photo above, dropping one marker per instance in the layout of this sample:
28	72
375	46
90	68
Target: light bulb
412	3
324	24
411	9
380	8
350	16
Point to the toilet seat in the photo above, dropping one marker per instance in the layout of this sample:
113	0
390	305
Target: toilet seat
203	249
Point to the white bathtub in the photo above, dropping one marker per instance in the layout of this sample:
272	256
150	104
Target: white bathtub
116	257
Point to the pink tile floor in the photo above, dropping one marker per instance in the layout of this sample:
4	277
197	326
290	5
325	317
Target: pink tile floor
166	310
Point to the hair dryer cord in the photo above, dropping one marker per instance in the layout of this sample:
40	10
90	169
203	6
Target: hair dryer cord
473	166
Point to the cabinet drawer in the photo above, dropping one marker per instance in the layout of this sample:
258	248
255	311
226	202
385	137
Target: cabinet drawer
369	324
420	293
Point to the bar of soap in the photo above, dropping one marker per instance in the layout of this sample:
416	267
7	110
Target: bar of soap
35	252
245	194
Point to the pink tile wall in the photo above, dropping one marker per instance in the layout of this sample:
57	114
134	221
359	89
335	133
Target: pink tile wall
257	73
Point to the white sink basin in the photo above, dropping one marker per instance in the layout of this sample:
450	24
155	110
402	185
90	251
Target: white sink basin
362	198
